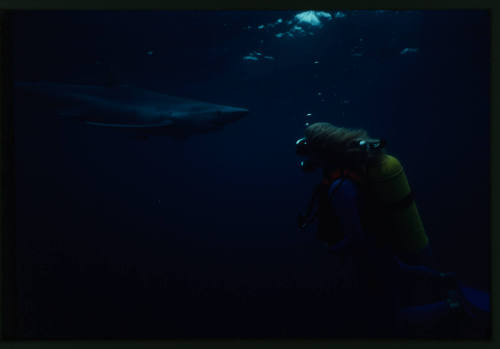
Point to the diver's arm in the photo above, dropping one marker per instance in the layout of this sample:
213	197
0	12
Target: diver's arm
344	204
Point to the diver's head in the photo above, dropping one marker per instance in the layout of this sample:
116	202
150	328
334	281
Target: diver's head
327	146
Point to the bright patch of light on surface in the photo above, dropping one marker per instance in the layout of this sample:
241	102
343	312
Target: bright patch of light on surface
250	58
408	50
312	17
255	55
302	24
297	30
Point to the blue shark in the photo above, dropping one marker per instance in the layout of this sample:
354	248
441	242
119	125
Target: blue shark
139	110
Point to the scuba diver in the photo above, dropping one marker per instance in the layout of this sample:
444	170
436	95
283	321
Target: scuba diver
365	211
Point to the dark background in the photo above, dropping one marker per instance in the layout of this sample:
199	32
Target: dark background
163	238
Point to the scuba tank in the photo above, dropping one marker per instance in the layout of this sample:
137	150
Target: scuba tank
389	208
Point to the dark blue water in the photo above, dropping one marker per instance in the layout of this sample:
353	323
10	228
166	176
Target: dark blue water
161	238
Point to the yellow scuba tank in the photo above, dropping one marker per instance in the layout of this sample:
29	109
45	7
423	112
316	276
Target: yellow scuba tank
391	212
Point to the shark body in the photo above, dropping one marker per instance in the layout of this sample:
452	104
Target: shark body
141	111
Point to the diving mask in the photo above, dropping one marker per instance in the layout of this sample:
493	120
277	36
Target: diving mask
370	144
314	160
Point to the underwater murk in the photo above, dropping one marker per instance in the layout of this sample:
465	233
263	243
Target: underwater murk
158	183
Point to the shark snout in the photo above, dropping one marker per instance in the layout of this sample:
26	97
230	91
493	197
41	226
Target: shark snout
228	115
240	113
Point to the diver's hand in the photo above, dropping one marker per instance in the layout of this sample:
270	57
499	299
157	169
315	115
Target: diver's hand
303	221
